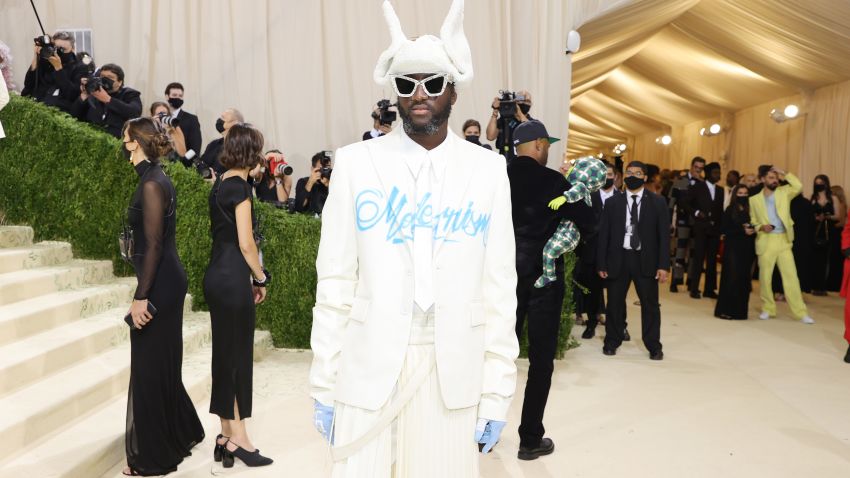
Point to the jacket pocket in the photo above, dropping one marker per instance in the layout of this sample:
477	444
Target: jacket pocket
359	310
477	314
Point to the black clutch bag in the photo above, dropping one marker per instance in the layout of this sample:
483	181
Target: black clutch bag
129	318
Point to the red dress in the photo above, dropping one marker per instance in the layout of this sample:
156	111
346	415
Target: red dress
845	284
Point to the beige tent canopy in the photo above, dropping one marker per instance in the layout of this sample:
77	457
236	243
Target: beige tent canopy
673	67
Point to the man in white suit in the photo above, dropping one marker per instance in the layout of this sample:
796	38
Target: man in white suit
413	329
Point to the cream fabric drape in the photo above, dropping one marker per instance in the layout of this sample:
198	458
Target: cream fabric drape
302	70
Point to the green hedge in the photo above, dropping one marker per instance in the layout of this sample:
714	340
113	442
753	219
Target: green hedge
69	182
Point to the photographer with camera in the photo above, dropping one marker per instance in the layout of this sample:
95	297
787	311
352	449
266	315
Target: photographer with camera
273	179
162	114
208	166
311	192
104	100
54	75
383	120
186	122
509	111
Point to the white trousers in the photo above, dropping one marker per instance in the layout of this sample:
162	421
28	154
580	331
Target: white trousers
426	440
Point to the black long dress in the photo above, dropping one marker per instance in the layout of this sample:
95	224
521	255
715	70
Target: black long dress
738	255
821	232
162	424
227	289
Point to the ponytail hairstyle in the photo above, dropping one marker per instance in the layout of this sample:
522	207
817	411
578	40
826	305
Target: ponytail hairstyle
150	136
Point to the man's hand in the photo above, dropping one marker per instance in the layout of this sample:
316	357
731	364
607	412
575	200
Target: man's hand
487	433
520	115
259	295
55	61
496	103
767	228
37	50
385	128
84	95
101	95
139	313
556	203
323	419
661	275
315	177
603	274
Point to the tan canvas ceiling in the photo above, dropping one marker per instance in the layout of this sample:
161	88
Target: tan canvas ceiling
653	65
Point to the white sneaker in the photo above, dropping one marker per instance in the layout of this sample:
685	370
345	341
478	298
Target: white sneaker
808	320
764	316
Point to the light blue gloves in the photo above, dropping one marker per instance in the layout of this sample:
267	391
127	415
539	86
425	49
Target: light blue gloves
487	433
323	416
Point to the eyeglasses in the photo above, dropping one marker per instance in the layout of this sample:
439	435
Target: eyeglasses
406	86
637	174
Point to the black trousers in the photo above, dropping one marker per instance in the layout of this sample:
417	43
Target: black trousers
704	259
589	302
541	309
650	311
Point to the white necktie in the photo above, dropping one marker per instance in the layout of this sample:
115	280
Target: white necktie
423	243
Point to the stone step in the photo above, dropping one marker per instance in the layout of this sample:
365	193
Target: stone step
30	283
43	254
94	443
15	236
33	316
37	410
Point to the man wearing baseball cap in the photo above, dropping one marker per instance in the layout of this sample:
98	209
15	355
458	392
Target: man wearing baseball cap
533	186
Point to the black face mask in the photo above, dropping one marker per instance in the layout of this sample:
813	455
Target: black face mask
219	125
633	183
524	108
473	139
820	188
608	183
66	57
175	103
743	201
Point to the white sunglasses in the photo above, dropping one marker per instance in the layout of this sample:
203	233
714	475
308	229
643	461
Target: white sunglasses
406	86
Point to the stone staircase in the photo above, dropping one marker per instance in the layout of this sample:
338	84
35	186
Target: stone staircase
65	359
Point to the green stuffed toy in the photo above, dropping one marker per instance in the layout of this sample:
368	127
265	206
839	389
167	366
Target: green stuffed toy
586	176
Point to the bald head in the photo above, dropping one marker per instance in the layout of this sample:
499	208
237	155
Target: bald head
231	116
537	150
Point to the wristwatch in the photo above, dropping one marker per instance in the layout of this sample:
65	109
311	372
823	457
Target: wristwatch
265	282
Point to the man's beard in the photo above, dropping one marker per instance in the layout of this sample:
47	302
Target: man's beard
772	186
429	129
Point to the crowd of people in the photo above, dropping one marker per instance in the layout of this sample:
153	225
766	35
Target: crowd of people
420	307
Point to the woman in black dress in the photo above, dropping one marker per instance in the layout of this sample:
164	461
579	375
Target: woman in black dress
162	425
738	255
823	210
231	297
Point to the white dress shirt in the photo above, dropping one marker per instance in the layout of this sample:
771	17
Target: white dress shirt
629	201
605	196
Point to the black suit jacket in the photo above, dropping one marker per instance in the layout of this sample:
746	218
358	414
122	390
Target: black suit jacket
532	188
586	250
126	104
191	131
653	229
711	210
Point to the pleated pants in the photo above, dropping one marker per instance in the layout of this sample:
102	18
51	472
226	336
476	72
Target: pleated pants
426	440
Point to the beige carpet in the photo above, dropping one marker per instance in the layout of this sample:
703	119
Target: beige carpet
731	399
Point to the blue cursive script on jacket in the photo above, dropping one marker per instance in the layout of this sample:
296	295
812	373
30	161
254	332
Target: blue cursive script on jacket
401	216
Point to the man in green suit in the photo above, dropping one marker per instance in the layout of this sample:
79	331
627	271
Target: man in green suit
770	215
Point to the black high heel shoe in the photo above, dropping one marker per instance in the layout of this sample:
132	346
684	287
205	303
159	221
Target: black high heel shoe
218	451
251	459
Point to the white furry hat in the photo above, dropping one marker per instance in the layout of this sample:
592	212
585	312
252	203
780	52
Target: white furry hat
428	54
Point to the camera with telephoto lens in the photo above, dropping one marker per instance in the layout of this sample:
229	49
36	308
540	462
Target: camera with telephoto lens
385	116
48	49
326	164
279	167
507	103
168	120
95	83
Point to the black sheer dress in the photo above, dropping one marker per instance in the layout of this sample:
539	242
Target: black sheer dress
739	253
162	424
823	232
227	289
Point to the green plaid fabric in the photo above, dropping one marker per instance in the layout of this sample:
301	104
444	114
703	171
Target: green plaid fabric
586	177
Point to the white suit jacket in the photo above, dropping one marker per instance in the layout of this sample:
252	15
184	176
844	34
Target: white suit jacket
364	299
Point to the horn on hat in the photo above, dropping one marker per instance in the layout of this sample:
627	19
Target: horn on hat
397	39
456	44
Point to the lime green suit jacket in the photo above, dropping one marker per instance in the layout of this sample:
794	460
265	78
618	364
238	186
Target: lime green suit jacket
758	210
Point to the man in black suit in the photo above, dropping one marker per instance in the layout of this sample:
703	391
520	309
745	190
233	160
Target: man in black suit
585	272
678	198
188	122
533	186
634	246
111	105
704	205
